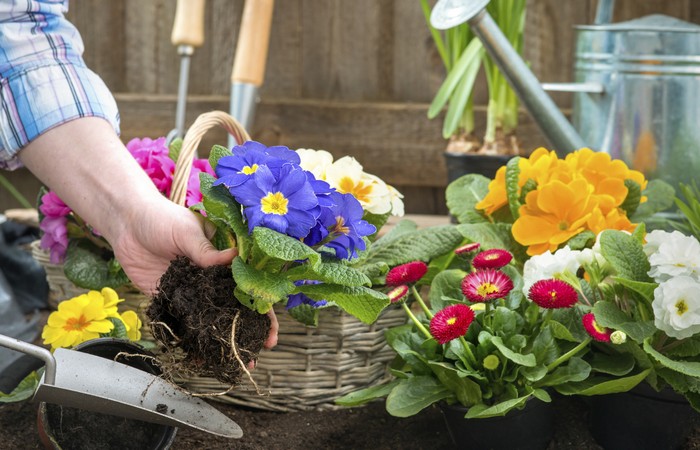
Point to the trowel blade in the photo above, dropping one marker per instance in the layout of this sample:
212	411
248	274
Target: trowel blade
97	384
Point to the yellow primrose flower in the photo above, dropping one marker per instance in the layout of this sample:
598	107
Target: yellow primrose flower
553	214
613	220
110	299
133	325
78	320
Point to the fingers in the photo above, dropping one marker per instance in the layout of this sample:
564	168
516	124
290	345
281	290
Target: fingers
274	328
200	250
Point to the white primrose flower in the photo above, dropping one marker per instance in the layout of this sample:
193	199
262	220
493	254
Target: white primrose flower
677	307
396	202
550	265
676	254
315	161
347	176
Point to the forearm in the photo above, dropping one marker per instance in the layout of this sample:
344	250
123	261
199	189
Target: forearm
86	164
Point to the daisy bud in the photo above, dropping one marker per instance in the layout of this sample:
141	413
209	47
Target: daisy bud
398	293
468	248
596	331
492	259
406	273
491	362
618	337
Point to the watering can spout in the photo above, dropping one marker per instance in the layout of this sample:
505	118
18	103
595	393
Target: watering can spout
555	126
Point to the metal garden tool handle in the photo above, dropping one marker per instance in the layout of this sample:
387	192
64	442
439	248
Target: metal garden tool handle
187	34
559	131
35	351
249	62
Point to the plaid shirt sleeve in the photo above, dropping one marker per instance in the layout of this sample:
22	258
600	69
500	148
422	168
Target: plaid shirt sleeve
44	81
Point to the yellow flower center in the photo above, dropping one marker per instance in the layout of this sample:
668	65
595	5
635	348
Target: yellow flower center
492	256
681	307
485	289
598	328
76	323
360	191
274	204
249	170
339	226
451	321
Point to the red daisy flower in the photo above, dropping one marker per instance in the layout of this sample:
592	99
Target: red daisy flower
492	259
467	248
451	322
397	293
487	284
553	294
406	273
597	332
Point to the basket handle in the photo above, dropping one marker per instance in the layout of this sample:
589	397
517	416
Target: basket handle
183	165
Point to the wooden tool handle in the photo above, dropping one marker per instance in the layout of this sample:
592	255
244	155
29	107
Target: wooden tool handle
253	41
188	28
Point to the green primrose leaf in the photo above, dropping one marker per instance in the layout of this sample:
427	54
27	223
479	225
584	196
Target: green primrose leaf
581	240
660	196
366	395
690	368
487	234
576	370
686	348
423	244
306	314
608	314
263	288
359	301
625	254
282	247
174	149
225	211
90	267
329	272
643	288
463	194
119	330
217	152
618	364
512	188
602	385
24	390
634	196
445	286
414	394
499	409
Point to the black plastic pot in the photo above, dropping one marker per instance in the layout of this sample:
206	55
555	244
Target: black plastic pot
641	419
530	428
63	428
462	164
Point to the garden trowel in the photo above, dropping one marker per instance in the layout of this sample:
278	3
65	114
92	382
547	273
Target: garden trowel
89	382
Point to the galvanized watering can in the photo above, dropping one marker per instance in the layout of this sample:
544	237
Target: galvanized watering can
637	89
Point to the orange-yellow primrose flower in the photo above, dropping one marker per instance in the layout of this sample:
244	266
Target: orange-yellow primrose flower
553	214
77	320
133	325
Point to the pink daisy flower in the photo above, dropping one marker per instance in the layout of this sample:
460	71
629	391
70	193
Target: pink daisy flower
553	294
406	273
398	293
492	259
485	285
597	332
451	322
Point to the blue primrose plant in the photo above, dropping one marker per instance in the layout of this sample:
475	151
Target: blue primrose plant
299	240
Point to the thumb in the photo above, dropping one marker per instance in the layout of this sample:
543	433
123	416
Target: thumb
200	251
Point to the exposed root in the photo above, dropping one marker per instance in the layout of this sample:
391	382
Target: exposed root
234	352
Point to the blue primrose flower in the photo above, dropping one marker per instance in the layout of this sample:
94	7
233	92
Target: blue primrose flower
238	168
285	203
345	226
302	299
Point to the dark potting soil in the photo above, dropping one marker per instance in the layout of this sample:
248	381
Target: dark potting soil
194	310
76	429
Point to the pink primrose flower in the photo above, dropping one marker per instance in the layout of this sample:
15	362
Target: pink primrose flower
152	156
52	205
55	237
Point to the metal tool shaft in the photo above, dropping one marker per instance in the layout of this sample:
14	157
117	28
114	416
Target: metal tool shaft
35	351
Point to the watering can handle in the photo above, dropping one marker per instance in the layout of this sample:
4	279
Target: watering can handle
604	12
35	351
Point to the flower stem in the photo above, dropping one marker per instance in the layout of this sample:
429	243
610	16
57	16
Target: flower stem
468	351
415	320
420	301
565	357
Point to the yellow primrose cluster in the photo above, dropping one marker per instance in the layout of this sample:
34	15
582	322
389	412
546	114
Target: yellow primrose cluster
583	191
86	317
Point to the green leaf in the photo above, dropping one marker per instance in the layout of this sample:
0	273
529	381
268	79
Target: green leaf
528	360
581	240
533	374
544	347
634	195
306	314
217	152
263	288
625	254
602	385
91	267
445	285
571	318
414	394
174	149
487	234
467	391
499	409
512	187
559	331
282	247
329	272
470	56
686	348
608	314
691	368
224	210
363	303
460	98
463	194
643	288
660	197
24	390
576	370
119	330
366	395
423	244
378	220
618	364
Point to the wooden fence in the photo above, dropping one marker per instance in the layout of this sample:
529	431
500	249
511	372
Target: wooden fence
353	77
